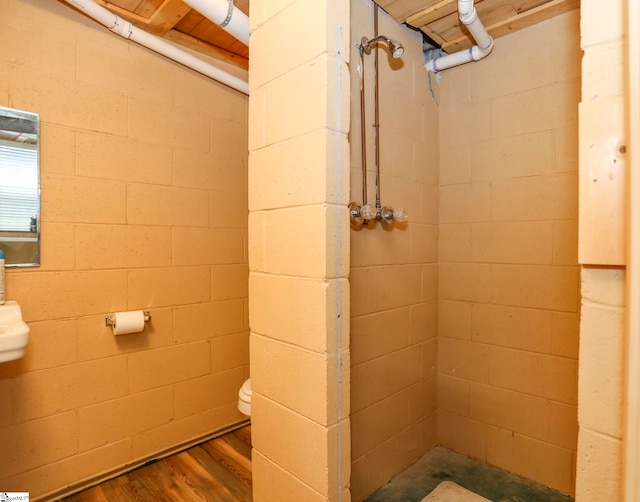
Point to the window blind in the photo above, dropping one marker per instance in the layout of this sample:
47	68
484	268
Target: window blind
18	186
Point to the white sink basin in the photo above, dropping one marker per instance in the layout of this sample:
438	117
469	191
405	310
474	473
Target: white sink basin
14	332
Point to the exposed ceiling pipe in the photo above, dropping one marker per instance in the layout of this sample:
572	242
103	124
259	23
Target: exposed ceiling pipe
469	18
157	44
226	15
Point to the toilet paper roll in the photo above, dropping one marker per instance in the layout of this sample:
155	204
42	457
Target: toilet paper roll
128	322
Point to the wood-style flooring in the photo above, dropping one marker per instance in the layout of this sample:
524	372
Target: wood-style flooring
218	470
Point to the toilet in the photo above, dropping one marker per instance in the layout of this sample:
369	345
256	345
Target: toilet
244	398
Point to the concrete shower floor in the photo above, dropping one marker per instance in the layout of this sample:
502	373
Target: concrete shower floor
441	464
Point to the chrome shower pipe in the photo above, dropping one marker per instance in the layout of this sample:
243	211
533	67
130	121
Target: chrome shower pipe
376	120
395	48
361	214
363	131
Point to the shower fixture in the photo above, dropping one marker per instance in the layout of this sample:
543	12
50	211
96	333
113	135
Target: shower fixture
361	214
395	48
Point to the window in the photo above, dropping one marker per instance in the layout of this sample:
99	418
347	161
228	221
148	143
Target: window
18	186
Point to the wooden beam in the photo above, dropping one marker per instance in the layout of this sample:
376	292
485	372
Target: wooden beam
180	39
162	21
196	45
167	16
433	13
127	15
525	5
434	35
517	22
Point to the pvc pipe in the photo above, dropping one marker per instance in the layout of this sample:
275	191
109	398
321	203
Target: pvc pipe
157	44
478	31
226	15
484	42
465	9
455	59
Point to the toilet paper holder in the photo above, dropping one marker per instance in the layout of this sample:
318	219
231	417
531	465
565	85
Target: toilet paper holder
110	319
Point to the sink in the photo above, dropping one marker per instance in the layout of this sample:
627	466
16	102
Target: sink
14	332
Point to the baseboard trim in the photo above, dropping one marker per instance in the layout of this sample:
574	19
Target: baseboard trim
135	464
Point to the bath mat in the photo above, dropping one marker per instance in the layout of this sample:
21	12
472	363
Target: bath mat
451	492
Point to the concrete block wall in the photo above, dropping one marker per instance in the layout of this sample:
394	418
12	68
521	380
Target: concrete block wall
144	206
602	339
508	277
299	249
393	271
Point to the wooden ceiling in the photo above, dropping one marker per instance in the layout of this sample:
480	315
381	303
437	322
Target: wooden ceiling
177	22
438	19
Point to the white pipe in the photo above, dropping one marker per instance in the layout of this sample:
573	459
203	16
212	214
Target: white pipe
226	15
484	42
479	33
156	44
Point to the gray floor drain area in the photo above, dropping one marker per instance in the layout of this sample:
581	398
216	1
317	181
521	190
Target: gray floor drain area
441	464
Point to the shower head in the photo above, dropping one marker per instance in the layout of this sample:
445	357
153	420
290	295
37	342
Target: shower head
395	48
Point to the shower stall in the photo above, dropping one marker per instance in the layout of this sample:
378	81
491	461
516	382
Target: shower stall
464	321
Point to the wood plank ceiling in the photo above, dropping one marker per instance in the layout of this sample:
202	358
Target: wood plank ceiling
438	19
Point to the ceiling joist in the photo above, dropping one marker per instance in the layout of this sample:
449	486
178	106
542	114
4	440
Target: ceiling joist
167	16
516	22
438	19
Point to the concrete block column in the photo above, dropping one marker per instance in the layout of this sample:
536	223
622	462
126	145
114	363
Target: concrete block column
299	249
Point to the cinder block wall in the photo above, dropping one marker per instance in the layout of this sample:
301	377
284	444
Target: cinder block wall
509	280
602	337
144	206
393	271
299	245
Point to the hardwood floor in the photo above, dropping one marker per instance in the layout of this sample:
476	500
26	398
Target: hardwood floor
216	471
